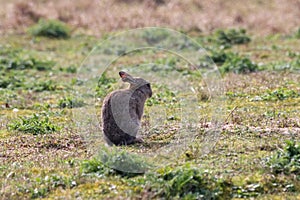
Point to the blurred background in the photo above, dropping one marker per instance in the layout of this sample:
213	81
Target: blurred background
96	17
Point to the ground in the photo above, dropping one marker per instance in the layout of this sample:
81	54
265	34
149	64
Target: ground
49	149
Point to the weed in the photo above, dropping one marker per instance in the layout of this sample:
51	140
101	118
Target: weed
39	192
238	65
280	94
220	57
229	62
71	69
50	29
69	102
95	166
35	124
41	86
20	62
226	38
116	161
104	85
286	161
43	185
123	162
249	190
11	81
295	64
163	96
186	182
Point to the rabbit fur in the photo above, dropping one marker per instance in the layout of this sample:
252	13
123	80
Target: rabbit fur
122	111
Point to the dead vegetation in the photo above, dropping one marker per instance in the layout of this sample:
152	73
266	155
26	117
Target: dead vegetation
28	147
96	17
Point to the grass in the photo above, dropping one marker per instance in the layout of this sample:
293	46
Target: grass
70	102
51	29
43	154
104	85
238	65
19	61
36	124
114	161
231	37
287	160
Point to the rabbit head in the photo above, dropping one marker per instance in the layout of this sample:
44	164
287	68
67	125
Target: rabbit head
136	83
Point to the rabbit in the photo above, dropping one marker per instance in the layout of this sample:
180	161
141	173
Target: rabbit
122	111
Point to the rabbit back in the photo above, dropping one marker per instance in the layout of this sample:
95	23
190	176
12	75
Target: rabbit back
120	124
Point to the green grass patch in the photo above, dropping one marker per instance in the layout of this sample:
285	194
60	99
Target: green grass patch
70	102
117	161
41	86
22	62
227	38
163	95
11	81
50	29
71	69
238	65
35	124
231	62
280	94
220	57
286	160
105	85
185	182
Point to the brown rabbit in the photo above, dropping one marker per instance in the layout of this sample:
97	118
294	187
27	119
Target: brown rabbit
122	111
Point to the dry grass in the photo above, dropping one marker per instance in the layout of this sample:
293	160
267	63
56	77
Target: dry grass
27	147
96	17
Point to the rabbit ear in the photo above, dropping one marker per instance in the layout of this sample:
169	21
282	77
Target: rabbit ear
126	77
123	74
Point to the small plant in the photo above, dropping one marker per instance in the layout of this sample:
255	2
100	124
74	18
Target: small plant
229	62
50	29
231	37
280	94
116	161
69	102
19	62
249	190
11	81
41	86
104	85
286	161
96	166
44	185
220	57
123	162
296	64
163	96
238	65
186	182
71	69
35	124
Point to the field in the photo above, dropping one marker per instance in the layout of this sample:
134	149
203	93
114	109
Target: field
223	121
